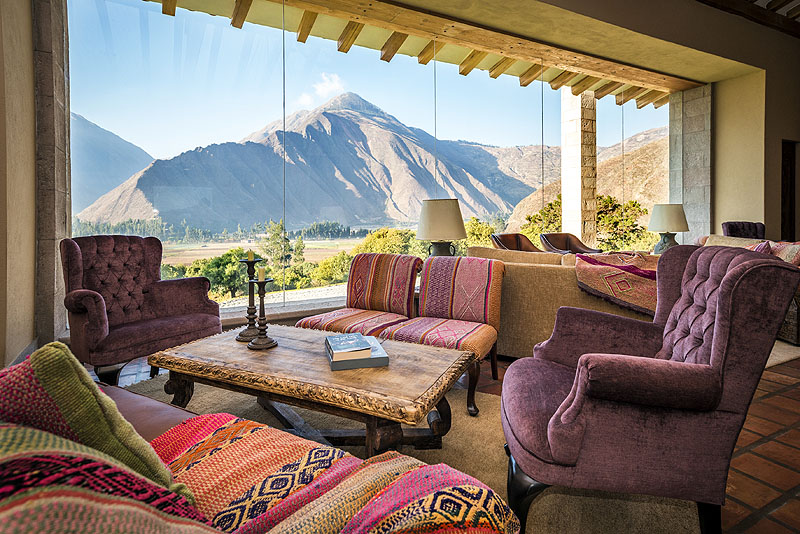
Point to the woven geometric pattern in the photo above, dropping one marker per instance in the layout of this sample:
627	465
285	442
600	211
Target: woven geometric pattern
626	279
349	320
383	282
477	338
463	288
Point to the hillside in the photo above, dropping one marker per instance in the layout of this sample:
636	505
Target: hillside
100	161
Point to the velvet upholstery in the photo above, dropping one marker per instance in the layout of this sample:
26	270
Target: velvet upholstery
120	309
565	243
514	242
653	408
754	230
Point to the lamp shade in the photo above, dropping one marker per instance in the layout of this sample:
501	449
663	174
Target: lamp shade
668	218
441	220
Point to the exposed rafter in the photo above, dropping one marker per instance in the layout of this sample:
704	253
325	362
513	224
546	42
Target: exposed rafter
762	15
775	5
661	101
240	10
630	94
607	89
306	25
584	84
529	75
168	7
427	53
562	79
349	36
501	66
794	13
392	45
471	61
649	98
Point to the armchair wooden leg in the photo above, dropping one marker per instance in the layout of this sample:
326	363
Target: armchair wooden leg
493	356
153	371
710	516
522	489
474	374
109	374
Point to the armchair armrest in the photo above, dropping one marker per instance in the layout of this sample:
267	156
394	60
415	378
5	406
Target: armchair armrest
578	331
650	381
182	296
94	321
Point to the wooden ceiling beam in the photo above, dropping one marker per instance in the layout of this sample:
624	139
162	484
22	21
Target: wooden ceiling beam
775	5
349	36
529	75
630	94
471	61
168	7
756	13
429	25
608	88
584	85
392	45
240	10
501	66
794	13
661	101
649	98
306	25
562	79
427	53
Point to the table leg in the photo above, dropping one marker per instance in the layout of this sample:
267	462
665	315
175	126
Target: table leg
474	374
382	435
440	419
181	387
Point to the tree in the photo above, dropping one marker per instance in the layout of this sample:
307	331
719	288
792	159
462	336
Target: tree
545	221
224	272
298	249
276	245
168	272
392	241
478	233
332	270
618	227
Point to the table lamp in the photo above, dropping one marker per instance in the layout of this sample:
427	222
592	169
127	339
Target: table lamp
667	219
440	222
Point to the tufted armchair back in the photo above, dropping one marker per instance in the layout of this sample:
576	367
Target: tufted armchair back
754	230
118	267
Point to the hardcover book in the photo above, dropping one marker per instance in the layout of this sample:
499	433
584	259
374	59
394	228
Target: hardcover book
347	347
377	357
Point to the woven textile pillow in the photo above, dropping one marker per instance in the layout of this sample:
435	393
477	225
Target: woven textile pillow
383	282
763	247
464	288
51	484
52	391
789	252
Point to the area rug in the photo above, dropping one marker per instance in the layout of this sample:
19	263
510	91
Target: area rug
475	446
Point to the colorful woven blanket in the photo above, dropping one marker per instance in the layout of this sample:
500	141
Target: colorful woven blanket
250	478
626	279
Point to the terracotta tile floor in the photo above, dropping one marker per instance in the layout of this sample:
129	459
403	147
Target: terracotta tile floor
764	479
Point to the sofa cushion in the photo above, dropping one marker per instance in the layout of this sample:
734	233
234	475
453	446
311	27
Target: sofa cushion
477	338
788	252
762	247
52	484
154	331
254	479
367	322
52	391
515	256
383	282
150	418
716	240
533	390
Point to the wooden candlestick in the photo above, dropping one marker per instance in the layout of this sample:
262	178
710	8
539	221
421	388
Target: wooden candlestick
251	331
262	340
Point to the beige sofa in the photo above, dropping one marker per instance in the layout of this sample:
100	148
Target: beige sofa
535	285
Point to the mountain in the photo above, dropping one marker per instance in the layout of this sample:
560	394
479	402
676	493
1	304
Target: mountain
646	175
346	161
100	161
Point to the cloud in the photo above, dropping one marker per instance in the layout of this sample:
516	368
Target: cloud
305	101
331	84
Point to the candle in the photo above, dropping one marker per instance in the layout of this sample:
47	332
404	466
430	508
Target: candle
250	255
260	274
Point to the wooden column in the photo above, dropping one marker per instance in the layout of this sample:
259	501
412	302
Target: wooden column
579	165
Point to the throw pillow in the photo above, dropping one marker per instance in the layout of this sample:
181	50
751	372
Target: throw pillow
52	391
51	484
786	251
762	247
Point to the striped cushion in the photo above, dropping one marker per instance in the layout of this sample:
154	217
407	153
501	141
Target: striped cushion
383	282
477	338
369	323
465	288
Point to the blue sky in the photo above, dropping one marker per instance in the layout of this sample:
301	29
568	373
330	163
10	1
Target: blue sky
170	84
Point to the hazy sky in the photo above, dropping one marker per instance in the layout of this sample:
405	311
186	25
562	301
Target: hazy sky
170	84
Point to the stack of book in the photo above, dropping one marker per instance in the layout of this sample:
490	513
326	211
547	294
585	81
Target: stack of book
354	351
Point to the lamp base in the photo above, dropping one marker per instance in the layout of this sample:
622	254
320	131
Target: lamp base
667	242
441	248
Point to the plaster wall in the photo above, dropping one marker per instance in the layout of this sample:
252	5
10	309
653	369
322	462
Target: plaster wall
17	180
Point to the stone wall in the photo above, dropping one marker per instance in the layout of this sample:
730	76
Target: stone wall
579	165
690	161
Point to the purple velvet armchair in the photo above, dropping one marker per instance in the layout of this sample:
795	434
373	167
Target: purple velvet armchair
120	309
616	404
752	230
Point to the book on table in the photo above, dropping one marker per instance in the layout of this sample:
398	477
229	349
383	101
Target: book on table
374	357
347	347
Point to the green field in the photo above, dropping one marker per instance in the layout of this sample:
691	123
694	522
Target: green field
184	254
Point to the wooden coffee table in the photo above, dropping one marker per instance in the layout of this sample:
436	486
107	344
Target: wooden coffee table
297	372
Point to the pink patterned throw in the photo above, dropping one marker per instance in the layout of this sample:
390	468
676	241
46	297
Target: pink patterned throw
626	279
